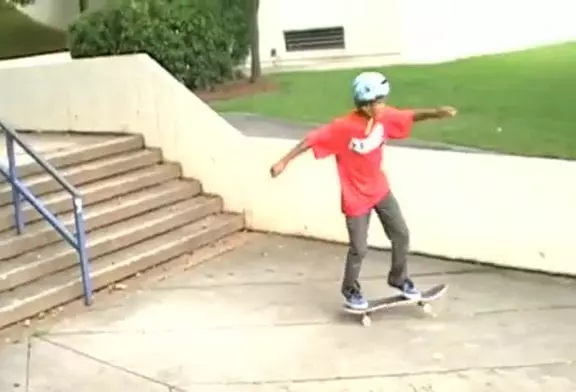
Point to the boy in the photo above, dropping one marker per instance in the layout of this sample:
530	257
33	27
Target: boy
356	141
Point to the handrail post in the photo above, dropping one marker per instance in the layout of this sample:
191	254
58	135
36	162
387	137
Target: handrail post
19	191
81	248
13	175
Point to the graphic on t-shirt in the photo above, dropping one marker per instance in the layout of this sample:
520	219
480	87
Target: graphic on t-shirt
370	143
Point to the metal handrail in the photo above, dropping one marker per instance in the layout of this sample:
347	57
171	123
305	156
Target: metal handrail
76	240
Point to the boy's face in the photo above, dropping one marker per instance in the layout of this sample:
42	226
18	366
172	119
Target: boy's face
372	107
380	101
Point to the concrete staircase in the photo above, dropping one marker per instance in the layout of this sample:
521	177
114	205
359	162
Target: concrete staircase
139	212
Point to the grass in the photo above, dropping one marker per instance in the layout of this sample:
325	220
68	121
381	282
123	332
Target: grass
527	95
22	36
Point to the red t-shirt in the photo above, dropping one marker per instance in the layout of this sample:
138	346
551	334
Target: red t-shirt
358	154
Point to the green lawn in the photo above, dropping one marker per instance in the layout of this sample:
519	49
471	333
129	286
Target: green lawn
528	95
21	36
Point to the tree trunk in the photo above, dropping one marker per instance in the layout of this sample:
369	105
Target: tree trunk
255	67
83	5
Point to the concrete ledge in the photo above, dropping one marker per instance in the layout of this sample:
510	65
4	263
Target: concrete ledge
510	211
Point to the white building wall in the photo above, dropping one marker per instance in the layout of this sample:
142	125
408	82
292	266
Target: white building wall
372	30
445	30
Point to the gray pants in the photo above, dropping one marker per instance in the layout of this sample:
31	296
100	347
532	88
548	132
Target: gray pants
390	216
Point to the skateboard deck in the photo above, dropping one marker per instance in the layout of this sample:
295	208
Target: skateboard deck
429	295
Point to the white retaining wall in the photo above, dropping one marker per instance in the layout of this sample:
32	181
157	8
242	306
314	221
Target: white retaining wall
505	210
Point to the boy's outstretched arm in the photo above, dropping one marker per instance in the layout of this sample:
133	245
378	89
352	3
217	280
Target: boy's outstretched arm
402	120
279	166
438	113
324	141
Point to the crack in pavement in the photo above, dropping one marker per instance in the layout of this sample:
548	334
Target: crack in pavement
303	281
385	375
28	360
109	364
175	388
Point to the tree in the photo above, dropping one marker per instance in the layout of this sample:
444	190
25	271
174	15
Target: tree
255	66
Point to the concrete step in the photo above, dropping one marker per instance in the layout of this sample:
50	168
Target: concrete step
86	173
51	291
95	192
41	233
56	257
89	152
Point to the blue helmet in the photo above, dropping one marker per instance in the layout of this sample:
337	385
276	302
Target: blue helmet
369	86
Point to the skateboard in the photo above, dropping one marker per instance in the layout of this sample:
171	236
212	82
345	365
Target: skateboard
398	300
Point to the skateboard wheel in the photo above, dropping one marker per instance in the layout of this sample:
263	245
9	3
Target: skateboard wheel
427	308
366	321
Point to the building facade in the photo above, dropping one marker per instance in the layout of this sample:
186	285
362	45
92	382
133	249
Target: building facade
296	34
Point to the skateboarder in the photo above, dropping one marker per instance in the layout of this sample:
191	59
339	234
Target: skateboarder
356	141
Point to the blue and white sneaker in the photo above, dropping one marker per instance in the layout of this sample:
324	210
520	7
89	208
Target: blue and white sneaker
409	291
355	300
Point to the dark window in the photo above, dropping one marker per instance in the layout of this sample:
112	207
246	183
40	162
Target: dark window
314	39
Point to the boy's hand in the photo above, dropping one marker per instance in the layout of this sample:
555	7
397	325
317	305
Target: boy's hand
447	111
277	168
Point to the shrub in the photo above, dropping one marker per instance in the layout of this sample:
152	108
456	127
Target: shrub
200	42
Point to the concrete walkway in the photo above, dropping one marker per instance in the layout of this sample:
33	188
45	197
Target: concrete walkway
260	126
266	317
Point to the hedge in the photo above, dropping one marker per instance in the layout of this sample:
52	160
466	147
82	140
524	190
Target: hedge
200	42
